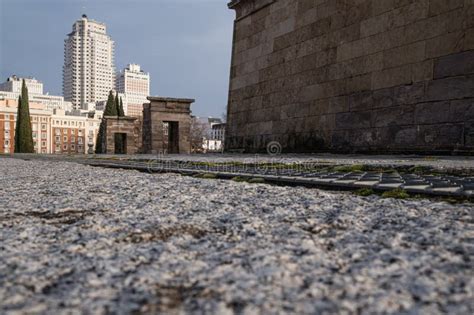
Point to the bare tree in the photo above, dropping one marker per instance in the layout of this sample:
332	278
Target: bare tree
199	133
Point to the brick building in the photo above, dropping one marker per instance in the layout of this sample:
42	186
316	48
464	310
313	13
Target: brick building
352	75
52	131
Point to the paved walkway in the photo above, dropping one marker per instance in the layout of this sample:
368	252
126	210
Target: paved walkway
441	176
76	239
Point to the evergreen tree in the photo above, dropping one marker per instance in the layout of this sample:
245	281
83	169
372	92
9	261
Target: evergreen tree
121	112
117	104
111	106
23	132
110	110
18	119
98	143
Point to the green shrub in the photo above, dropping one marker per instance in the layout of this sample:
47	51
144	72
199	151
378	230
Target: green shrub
396	193
239	179
350	168
364	192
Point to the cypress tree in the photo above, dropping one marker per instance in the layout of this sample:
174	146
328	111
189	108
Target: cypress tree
98	143
117	104
121	112
110	110
111	107
18	118
23	132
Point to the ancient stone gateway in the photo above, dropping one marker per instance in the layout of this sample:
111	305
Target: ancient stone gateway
167	125
352	76
122	135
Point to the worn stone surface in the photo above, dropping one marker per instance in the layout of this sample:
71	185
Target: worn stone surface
76	239
295	62
172	111
130	126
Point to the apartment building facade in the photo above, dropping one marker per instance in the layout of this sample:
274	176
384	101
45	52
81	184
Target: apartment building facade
11	89
134	85
53	132
14	84
88	72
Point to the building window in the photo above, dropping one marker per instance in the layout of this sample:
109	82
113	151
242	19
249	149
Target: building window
44	136
73	139
73	147
65	147
65	139
7	116
43	126
7	126
34	134
58	139
43	143
7	143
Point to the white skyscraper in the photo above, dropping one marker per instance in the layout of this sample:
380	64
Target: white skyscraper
134	84
88	72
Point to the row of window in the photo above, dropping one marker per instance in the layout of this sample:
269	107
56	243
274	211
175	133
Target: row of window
66	147
65	139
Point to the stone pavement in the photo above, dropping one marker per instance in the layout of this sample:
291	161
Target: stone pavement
441	176
76	239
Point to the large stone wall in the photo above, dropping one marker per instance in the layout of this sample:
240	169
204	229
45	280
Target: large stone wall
352	75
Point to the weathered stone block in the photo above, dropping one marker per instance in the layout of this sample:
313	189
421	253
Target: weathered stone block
441	135
450	88
462	110
354	120
432	113
398	115
445	44
408	54
440	6
454	65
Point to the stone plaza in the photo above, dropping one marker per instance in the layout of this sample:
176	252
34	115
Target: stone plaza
82	240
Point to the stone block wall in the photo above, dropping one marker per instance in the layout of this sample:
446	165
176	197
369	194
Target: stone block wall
352	76
160	110
126	125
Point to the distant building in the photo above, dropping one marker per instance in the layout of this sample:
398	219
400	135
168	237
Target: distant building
54	131
11	89
134	85
88	72
213	130
14	83
218	132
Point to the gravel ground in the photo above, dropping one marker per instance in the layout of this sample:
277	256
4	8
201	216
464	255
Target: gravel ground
77	239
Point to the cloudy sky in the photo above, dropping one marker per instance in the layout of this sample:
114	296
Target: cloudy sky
184	44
